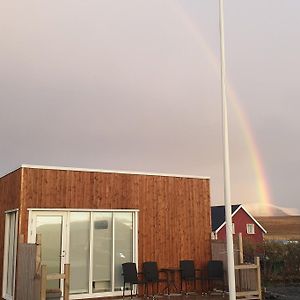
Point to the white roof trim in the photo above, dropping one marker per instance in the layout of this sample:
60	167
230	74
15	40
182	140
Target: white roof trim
110	171
232	214
247	212
83	210
241	206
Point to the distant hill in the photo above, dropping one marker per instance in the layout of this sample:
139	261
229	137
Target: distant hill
281	227
258	209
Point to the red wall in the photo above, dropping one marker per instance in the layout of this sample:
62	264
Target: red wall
240	219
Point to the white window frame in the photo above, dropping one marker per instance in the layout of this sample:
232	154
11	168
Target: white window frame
90	294
250	228
7	233
233	228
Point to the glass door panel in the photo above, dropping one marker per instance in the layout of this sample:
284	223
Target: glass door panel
102	252
95	243
79	252
123	245
50	227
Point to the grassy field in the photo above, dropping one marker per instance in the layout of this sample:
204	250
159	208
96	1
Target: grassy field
281	228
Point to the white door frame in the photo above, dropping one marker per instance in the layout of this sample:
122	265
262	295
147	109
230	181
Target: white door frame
64	251
6	250
33	212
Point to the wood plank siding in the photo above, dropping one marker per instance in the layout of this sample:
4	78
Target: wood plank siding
10	191
174	212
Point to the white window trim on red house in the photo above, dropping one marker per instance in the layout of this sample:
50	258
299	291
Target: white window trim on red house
250	228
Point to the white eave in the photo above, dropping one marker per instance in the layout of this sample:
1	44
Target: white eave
110	171
248	213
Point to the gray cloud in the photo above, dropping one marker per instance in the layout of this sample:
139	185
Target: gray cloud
127	85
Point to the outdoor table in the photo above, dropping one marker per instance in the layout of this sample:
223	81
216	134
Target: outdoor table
171	272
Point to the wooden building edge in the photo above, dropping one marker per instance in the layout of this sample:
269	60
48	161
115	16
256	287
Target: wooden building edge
132	216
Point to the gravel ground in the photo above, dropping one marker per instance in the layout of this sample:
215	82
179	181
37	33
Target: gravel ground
283	293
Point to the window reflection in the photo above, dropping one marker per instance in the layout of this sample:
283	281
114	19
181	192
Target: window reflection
102	252
79	252
50	228
123	244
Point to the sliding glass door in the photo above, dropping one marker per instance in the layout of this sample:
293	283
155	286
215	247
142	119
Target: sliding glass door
95	243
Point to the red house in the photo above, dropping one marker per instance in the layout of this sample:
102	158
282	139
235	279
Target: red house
242	222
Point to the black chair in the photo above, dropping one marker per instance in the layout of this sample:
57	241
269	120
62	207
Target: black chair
130	275
151	276
188	273
215	272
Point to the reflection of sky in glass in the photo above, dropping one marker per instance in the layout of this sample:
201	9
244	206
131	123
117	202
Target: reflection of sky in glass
43	220
80	216
80	222
124	218
79	251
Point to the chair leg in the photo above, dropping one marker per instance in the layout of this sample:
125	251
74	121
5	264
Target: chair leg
131	286
123	290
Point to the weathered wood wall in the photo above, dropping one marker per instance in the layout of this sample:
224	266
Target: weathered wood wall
10	193
174	218
245	279
28	284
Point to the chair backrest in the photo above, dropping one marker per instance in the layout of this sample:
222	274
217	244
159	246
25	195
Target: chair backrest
215	269
129	272
187	269
150	271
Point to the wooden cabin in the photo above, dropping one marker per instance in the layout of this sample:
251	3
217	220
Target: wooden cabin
96	220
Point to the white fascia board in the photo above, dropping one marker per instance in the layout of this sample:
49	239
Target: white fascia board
220	227
232	214
84	209
110	171
248	213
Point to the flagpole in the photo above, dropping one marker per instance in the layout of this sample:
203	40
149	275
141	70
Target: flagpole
226	166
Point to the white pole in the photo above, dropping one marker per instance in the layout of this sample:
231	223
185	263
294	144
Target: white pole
227	193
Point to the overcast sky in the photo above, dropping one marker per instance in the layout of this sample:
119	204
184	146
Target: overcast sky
133	85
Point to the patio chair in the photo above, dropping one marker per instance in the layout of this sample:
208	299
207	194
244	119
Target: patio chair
130	275
188	273
151	276
215	272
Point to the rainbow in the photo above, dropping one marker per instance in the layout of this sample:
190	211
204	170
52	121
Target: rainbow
263	191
